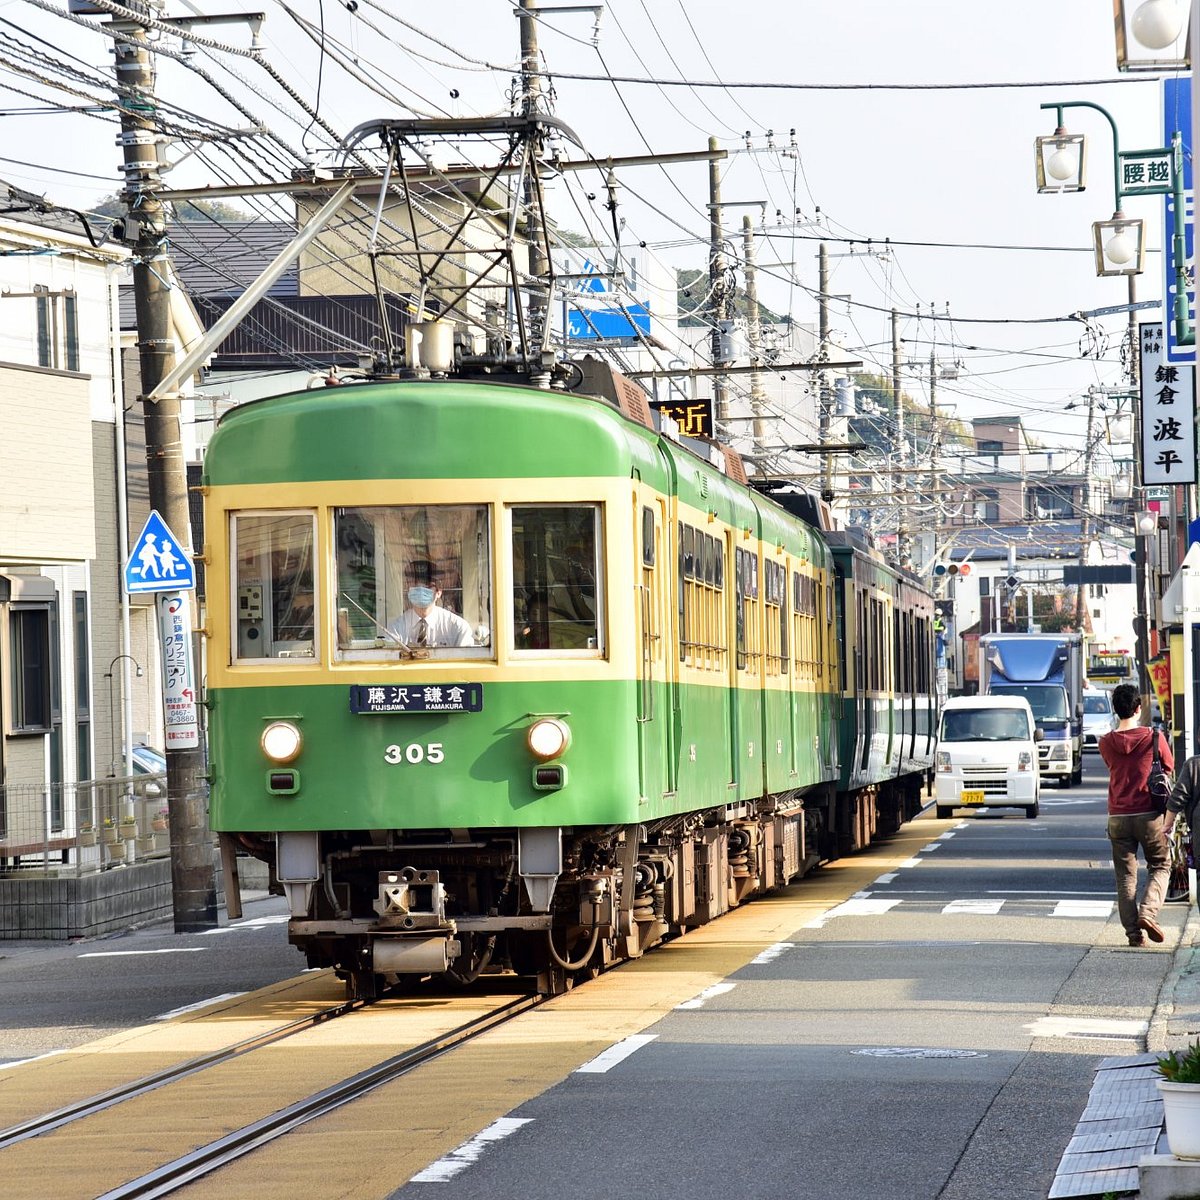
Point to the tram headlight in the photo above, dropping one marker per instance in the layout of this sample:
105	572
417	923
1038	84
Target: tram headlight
547	738
281	741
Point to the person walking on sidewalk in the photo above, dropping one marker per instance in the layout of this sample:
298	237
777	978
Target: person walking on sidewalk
1133	818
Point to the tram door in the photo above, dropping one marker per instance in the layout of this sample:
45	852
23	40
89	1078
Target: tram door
656	683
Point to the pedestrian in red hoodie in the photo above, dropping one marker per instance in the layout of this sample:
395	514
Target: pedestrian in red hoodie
1133	818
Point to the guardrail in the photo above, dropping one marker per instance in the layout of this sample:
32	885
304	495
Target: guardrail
79	827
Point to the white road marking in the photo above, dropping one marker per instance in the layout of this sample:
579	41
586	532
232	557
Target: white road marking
854	908
979	907
20	1062
134	953
1086	1027
471	1151
187	1008
250	923
1083	908
948	834
931	846
771	953
909	862
888	878
605	1062
709	993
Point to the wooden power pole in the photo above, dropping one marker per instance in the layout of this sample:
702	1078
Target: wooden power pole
193	875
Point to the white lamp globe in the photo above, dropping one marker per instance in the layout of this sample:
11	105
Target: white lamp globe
1158	23
1120	249
1063	163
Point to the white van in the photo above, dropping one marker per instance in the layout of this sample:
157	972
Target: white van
1098	716
987	755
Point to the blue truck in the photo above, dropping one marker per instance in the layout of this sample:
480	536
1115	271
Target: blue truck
1047	669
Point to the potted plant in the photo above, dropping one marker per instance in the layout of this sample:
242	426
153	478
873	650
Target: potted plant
159	822
129	827
1180	1088
87	834
109	831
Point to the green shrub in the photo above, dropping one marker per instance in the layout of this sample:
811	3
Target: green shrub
1181	1066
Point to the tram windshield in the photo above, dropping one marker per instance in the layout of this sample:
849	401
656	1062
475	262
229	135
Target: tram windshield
414	578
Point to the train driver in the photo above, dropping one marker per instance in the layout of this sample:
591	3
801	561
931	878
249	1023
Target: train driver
425	623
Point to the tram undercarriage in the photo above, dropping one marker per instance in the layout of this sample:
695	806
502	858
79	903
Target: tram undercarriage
555	904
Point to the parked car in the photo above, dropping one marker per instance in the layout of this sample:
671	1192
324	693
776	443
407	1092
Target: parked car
148	761
1098	716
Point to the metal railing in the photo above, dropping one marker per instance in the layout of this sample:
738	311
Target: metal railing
86	826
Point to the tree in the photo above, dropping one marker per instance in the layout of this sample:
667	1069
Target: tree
695	307
187	210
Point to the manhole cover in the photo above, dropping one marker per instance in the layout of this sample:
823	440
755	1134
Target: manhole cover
916	1052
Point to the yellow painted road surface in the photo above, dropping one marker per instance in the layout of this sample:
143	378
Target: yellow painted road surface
371	1147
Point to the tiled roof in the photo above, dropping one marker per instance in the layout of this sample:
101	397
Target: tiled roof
223	259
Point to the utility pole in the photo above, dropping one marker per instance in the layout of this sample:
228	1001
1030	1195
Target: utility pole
193	876
902	548
1141	619
935	445
1085	515
716	283
539	262
823	379
753	331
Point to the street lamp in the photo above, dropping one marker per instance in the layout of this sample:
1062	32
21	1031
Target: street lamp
1061	162
1152	35
1119	243
112	713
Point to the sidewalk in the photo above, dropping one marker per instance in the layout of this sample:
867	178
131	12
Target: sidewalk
1119	1147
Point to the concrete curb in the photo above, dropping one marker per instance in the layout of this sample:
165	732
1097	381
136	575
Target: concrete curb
1176	1018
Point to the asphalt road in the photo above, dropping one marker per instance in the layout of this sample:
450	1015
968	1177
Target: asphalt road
933	1036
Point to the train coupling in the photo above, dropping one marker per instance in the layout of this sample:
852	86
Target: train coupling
411	903
412	899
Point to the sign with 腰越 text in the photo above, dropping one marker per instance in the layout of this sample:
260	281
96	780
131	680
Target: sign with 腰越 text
1145	172
1168	403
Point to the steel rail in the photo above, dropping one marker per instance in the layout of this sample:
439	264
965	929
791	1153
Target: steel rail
164	1180
148	1083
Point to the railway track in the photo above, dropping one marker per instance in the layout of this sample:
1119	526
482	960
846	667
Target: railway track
80	1109
192	1166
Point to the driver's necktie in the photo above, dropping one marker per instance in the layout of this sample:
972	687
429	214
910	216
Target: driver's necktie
422	632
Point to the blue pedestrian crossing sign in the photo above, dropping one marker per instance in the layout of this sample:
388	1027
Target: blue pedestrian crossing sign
158	563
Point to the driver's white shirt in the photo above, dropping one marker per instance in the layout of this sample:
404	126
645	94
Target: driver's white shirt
444	627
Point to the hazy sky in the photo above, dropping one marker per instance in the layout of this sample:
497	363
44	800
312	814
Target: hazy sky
913	163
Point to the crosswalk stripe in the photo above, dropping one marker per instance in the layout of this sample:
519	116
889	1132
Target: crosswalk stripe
983	907
1083	908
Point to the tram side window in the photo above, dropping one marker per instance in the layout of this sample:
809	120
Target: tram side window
775	598
274	602
414	579
746	589
556	569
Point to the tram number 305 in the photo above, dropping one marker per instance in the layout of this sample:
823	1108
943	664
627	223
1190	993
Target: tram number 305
414	753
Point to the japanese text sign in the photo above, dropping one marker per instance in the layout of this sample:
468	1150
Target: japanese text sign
1168	405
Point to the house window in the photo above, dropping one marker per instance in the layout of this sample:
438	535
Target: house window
32	668
57	329
987	505
83	701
